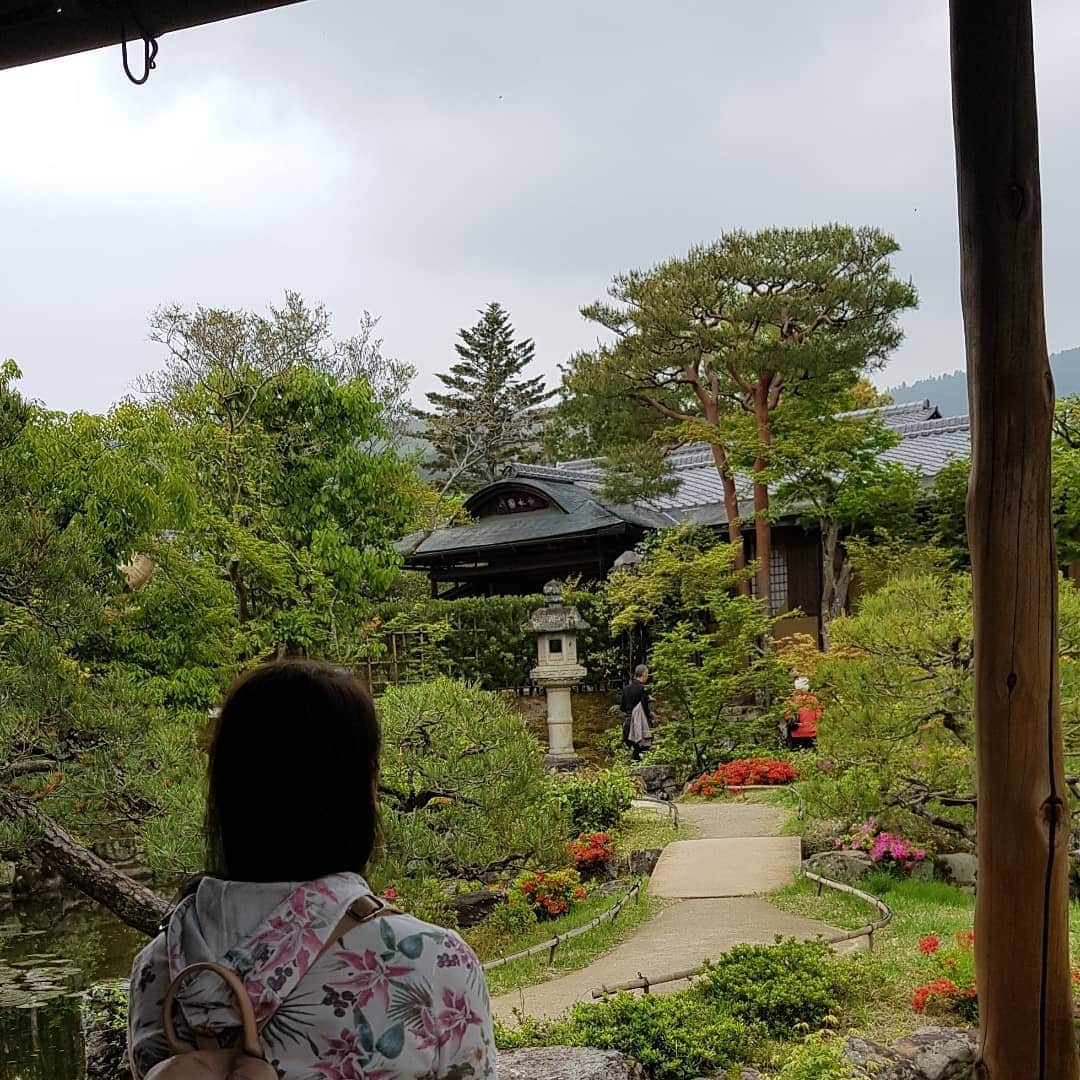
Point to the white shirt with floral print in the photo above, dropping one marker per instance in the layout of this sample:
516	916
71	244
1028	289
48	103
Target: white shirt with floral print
392	999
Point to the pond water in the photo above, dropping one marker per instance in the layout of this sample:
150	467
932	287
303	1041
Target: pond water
50	950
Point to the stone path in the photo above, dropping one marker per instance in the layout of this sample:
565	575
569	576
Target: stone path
736	854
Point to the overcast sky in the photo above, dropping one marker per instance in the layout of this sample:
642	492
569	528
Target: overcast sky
422	158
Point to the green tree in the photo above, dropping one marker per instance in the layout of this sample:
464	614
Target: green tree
488	414
709	347
463	791
897	737
301	494
707	655
81	737
828	471
943	509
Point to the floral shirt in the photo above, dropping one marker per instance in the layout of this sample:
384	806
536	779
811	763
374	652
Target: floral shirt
392	999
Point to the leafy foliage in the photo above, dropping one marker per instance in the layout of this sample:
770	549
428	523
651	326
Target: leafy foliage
258	489
674	1037
898	708
707	646
784	987
820	1057
722	1021
463	792
594	802
897	741
709	346
295	511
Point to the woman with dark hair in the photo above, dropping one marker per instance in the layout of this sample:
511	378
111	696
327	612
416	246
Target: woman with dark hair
343	987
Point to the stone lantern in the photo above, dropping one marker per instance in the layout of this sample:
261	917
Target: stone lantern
558	671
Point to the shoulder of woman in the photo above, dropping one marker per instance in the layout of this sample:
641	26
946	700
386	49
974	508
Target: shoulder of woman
404	938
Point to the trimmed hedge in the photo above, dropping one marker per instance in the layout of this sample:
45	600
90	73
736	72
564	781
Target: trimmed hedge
484	640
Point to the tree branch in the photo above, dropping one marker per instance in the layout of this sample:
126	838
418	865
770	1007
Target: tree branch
132	903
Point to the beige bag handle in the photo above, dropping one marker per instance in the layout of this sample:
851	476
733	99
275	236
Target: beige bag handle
362	910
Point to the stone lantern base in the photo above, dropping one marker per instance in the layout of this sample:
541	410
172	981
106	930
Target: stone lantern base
563	763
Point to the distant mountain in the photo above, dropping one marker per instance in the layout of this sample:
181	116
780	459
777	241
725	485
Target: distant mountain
949	392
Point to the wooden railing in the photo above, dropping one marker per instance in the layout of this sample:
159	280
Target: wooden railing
552	944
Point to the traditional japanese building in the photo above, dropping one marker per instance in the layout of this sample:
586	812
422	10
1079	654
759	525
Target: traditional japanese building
545	521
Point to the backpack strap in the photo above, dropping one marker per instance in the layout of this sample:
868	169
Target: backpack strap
362	910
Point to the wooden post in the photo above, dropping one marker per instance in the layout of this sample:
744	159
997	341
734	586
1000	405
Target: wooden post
1021	911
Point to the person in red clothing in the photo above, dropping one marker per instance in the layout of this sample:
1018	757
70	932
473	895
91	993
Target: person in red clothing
803	714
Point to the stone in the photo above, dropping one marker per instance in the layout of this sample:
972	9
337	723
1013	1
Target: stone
472	908
959	868
932	1053
643	862
922	870
658	780
104	1011
868	1056
567	1063
8	872
935	1054
563	763
819	835
847	867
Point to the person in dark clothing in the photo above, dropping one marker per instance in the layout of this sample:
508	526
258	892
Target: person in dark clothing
634	694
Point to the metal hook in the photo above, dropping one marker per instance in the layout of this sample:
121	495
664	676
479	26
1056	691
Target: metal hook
150	51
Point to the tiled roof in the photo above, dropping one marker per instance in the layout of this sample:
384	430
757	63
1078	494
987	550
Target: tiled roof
896	416
928	442
578	510
928	446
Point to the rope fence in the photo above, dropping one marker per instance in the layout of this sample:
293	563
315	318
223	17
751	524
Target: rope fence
552	944
644	983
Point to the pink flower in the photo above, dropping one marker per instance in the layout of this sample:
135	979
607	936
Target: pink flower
346	1059
390	894
372	976
455	1019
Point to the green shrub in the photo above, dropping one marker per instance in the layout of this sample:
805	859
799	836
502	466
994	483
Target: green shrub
676	1036
463	791
479	639
594	802
673	1036
787	987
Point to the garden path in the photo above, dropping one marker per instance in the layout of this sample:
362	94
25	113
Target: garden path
686	932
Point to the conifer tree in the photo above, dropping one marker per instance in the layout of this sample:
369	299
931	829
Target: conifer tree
489	414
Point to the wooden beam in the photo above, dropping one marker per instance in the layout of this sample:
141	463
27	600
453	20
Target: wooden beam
1021	909
34	30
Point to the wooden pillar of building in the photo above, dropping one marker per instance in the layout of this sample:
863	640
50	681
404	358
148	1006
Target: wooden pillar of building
1021	916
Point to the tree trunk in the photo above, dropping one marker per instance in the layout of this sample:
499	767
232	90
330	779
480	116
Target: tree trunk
762	524
835	576
131	902
1021	911
731	508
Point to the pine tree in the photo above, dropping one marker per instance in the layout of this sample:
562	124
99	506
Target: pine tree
488	415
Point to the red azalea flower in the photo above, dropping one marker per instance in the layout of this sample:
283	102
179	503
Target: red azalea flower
929	944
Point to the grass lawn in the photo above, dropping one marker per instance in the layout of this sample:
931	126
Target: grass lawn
641	829
571	956
894	967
